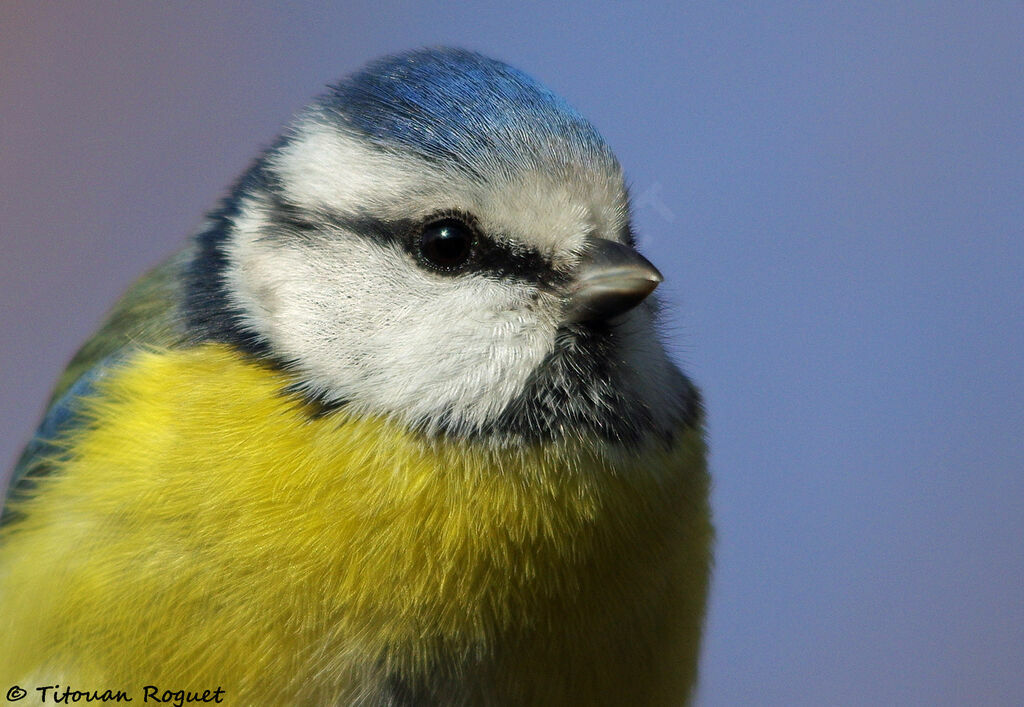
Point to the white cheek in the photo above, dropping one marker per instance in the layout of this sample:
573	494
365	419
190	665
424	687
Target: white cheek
466	347
364	324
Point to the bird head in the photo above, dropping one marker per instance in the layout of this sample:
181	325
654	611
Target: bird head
442	241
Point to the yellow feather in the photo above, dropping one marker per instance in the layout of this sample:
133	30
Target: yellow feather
203	530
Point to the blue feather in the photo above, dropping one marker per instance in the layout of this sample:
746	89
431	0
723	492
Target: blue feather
62	417
464	109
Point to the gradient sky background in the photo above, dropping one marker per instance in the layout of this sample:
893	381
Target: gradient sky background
834	191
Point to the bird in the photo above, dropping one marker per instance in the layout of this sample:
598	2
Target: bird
398	425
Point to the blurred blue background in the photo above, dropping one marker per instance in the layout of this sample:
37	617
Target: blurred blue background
835	192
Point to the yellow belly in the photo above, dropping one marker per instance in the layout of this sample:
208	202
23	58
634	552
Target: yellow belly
204	531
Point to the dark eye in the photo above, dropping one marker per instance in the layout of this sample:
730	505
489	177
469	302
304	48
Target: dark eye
446	244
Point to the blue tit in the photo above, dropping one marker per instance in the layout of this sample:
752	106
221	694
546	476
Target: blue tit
396	427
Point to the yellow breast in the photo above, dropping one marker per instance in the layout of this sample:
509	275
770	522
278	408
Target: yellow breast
204	530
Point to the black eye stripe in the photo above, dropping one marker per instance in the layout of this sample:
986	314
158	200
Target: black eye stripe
501	261
493	258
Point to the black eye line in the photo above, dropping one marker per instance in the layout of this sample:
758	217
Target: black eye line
504	261
490	257
297	219
301	221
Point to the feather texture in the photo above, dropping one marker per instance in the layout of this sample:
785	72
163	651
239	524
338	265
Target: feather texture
291	560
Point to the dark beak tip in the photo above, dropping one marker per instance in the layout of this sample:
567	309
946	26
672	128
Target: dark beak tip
604	300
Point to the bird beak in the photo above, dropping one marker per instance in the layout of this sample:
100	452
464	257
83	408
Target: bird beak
611	279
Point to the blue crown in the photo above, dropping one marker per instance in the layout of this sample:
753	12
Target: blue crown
460	107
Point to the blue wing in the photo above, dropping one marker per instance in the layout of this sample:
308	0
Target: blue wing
62	417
